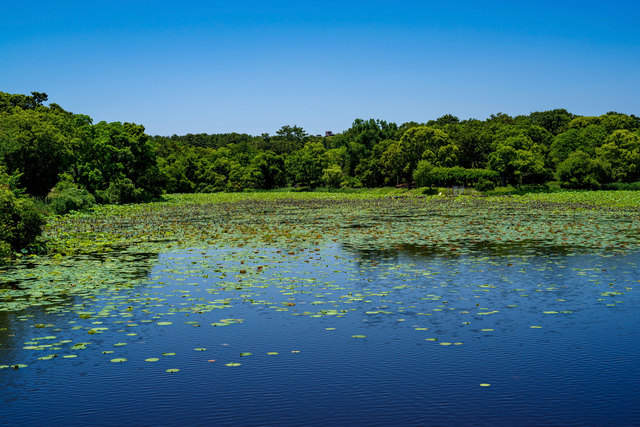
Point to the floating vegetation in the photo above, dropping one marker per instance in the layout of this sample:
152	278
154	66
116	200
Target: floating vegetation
208	261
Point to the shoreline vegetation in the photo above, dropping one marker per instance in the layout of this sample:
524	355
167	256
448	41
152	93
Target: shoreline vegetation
60	169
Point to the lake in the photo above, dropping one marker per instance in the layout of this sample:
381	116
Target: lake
331	333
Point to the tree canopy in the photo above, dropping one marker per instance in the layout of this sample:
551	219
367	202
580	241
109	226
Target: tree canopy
120	163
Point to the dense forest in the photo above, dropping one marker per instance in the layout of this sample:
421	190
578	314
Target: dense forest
48	151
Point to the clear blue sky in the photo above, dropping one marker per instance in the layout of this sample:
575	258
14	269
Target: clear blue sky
253	66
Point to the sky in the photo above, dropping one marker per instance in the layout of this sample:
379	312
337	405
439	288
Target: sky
248	66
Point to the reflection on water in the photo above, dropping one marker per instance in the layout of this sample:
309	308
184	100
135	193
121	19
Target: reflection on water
553	334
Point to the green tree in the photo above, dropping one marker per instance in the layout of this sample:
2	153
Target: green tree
622	151
332	176
270	170
441	122
67	196
288	139
416	144
305	167
585	139
117	160
9	101
422	174
516	158
34	145
359	141
473	139
554	121
372	171
20	222
579	170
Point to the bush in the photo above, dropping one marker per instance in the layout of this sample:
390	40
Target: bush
332	177
422	175
579	170
5	250
622	186
122	190
67	196
20	223
351	182
485	185
461	176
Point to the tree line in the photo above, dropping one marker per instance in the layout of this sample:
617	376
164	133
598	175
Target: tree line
576	151
50	151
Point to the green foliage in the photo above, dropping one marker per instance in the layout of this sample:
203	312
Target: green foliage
622	186
422	174
585	139
419	143
517	157
10	181
332	176
5	251
622	151
20	222
350	182
67	196
579	170
460	176
485	185
554	121
270	170
305	167
610	122
286	140
119	163
9	101
121	190
34	143
473	139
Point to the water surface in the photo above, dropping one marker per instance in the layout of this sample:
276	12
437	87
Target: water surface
396	337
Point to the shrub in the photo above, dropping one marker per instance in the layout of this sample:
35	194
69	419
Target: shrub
485	185
351	182
622	186
332	177
20	223
122	190
422	175
462	176
67	196
579	170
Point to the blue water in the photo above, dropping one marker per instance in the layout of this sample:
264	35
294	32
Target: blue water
579	368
